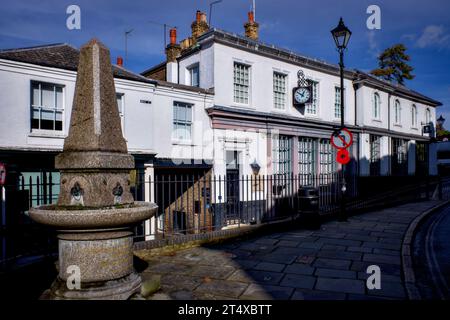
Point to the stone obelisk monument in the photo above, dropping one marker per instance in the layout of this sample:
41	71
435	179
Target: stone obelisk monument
95	209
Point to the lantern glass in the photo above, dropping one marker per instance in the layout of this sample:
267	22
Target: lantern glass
341	35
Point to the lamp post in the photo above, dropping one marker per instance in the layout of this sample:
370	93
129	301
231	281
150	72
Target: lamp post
440	122
341	35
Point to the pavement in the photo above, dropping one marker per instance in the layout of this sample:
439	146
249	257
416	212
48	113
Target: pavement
325	264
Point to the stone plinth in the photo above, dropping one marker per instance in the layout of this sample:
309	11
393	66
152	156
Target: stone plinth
95	212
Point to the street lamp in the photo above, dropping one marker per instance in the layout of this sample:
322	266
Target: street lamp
341	35
440	122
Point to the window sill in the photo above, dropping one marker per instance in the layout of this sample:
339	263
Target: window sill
414	128
183	143
397	125
242	105
377	120
46	134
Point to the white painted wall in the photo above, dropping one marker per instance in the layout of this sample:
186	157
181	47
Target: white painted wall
147	128
365	104
261	91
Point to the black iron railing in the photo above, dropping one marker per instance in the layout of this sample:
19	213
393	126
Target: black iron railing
196	206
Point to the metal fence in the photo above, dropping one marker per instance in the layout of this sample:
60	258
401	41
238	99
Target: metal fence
193	206
199	204
21	238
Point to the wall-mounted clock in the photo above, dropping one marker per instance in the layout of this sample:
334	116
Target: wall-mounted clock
302	94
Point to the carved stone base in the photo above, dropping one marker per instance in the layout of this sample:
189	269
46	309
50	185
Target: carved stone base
119	289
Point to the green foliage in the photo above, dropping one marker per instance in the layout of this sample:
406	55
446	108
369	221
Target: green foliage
442	133
393	66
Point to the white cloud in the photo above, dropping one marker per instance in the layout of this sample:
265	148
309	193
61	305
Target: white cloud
373	48
433	35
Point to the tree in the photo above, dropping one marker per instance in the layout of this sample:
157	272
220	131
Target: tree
393	65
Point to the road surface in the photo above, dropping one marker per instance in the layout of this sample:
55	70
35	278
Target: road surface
431	256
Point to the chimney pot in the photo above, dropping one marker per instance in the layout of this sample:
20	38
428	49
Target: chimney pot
251	16
251	27
200	25
173	36
119	61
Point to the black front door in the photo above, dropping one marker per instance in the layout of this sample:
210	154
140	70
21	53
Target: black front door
232	188
232	194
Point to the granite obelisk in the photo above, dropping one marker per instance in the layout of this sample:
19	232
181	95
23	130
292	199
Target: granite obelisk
95	209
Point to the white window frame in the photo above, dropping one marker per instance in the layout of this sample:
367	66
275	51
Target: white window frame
335	102
414	116
41	108
176	122
121	109
397	112
427	116
282	146
249	84
284	94
326	157
190	74
376	106
314	105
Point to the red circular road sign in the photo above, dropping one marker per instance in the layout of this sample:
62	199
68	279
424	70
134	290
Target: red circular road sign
2	174
343	157
341	139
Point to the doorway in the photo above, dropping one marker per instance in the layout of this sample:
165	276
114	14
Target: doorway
232	186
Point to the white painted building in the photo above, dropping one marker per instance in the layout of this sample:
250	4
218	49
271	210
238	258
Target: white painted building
221	102
36	104
253	111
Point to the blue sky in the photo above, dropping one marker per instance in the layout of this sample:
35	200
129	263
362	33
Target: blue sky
302	26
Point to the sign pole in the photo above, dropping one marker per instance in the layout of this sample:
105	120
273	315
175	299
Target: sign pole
342	216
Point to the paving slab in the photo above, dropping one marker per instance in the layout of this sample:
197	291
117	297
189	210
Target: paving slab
266	292
298	281
341	285
325	264
332	263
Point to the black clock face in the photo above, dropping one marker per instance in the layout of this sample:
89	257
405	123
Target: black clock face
302	95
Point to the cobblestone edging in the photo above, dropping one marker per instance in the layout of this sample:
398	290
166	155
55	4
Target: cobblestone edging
406	252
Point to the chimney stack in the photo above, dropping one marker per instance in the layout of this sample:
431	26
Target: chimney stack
120	61
200	25
251	27
173	50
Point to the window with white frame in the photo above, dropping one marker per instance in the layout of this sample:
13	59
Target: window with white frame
194	75
375	154
281	157
241	81
279	90
337	102
120	106
376	106
427	116
182	121
312	107
306	159
413	116
46	106
327	158
399	159
397	112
